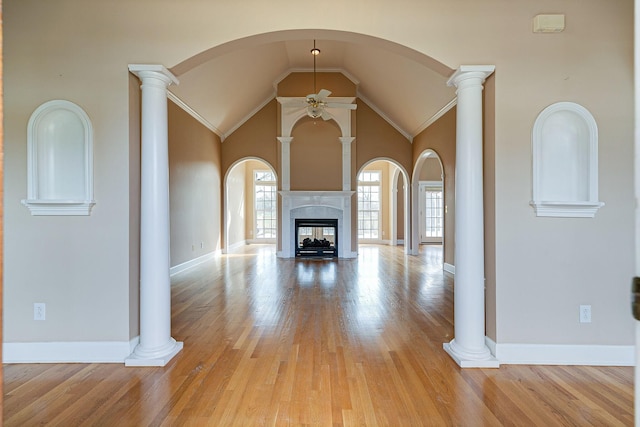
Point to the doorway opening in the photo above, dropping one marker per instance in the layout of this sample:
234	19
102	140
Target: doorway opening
251	204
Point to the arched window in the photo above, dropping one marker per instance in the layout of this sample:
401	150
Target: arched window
565	162
60	160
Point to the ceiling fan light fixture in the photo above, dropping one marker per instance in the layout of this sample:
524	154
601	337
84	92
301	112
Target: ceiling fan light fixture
314	112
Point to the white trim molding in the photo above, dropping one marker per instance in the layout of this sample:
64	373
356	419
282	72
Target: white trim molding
449	268
59	133
565	162
557	354
192	263
68	352
193	113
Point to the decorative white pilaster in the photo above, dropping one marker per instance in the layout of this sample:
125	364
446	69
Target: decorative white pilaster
156	347
468	348
285	161
346	162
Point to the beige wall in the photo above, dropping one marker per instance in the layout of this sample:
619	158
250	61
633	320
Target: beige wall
316	156
377	139
440	137
544	267
194	187
256	138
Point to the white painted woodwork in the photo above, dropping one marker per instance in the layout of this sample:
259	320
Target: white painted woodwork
285	162
565	162
59	160
320	205
346	162
468	348
425	186
156	347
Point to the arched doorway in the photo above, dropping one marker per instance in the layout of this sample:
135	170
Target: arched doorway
429	202
250	207
382	203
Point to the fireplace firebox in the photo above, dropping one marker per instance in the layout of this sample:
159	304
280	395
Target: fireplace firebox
316	237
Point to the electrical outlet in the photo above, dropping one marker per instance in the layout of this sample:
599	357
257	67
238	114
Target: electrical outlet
39	311
585	314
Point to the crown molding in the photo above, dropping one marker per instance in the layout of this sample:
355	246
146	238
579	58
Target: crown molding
431	120
378	111
193	113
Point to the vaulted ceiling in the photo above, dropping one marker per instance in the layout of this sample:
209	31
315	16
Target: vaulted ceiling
224	91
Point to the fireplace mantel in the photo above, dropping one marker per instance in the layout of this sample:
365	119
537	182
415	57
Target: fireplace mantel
316	204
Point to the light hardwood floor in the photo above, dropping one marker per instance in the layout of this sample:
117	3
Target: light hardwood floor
315	342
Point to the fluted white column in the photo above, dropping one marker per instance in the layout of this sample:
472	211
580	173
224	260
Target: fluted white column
156	346
468	348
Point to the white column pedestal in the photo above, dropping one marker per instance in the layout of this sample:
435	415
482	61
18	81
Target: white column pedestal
468	348
156	347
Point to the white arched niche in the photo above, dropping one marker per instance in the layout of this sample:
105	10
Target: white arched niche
565	162
59	160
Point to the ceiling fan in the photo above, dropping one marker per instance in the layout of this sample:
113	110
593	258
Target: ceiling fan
317	103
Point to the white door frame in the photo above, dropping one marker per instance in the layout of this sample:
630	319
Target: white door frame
423	186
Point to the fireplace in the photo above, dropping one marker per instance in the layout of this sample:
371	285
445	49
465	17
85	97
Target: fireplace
316	237
334	206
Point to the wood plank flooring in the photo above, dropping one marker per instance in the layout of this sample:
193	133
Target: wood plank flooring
271	342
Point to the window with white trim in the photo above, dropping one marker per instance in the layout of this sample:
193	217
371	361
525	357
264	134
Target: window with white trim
265	204
433	213
369	200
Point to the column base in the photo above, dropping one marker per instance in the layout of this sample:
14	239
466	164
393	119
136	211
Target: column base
142	357
466	359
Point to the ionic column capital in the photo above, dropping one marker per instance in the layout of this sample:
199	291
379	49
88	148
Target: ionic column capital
470	75
146	72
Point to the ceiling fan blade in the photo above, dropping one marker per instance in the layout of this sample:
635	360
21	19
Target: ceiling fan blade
323	93
325	115
340	105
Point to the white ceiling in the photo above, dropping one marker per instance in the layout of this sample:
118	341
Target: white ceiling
226	90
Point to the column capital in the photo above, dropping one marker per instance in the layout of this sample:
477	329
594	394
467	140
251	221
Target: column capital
467	72
346	140
157	71
285	139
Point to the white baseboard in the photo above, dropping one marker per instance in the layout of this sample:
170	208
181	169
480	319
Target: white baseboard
234	246
374	241
349	255
260	241
556	354
449	268
400	242
68	352
189	264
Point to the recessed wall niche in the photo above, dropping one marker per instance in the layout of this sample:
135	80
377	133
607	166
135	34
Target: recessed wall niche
59	160
565	162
